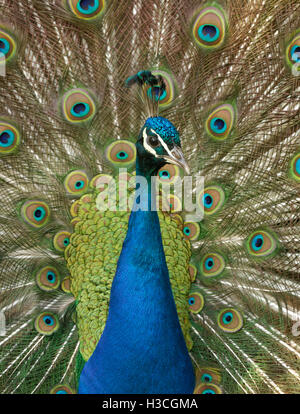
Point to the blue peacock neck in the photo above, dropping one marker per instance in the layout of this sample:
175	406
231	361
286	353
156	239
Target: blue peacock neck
142	349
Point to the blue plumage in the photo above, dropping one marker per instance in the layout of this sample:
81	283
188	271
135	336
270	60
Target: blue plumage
142	348
165	129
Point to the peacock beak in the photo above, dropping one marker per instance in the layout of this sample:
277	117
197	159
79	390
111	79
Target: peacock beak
175	156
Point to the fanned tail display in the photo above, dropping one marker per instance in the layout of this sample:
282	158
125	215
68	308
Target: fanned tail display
80	79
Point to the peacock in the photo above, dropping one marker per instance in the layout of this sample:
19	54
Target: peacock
100	292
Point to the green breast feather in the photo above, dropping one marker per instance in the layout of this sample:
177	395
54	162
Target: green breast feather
92	258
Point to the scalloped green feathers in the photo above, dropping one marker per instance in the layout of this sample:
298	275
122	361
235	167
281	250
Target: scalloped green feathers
220	122
78	106
9	138
209	28
261	244
87	9
8	45
98	235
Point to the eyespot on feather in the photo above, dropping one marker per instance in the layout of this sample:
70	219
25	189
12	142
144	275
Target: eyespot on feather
193	272
196	302
220	122
9	138
168	173
76	182
75	208
191	230
121	152
261	243
174	203
61	240
78	106
208	375
46	323
230	320
295	167
62	389
211	199
8	45
209	28
87	9
208	389
36	213
66	285
100	180
212	264
168	95
48	278
293	52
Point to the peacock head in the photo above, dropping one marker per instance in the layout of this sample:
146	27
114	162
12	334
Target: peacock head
159	144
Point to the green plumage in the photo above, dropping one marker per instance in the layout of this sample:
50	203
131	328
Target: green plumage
67	118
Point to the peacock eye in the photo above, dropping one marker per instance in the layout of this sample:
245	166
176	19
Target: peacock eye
153	141
209	375
261	243
206	378
78	106
61	240
46	323
193	272
220	122
121	152
230	320
167	96
7	45
210	28
212	199
196	302
36	213
62	389
48	278
207	389
76	182
9	138
212	264
87	9
293	52
191	230
66	285
295	167
168	173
